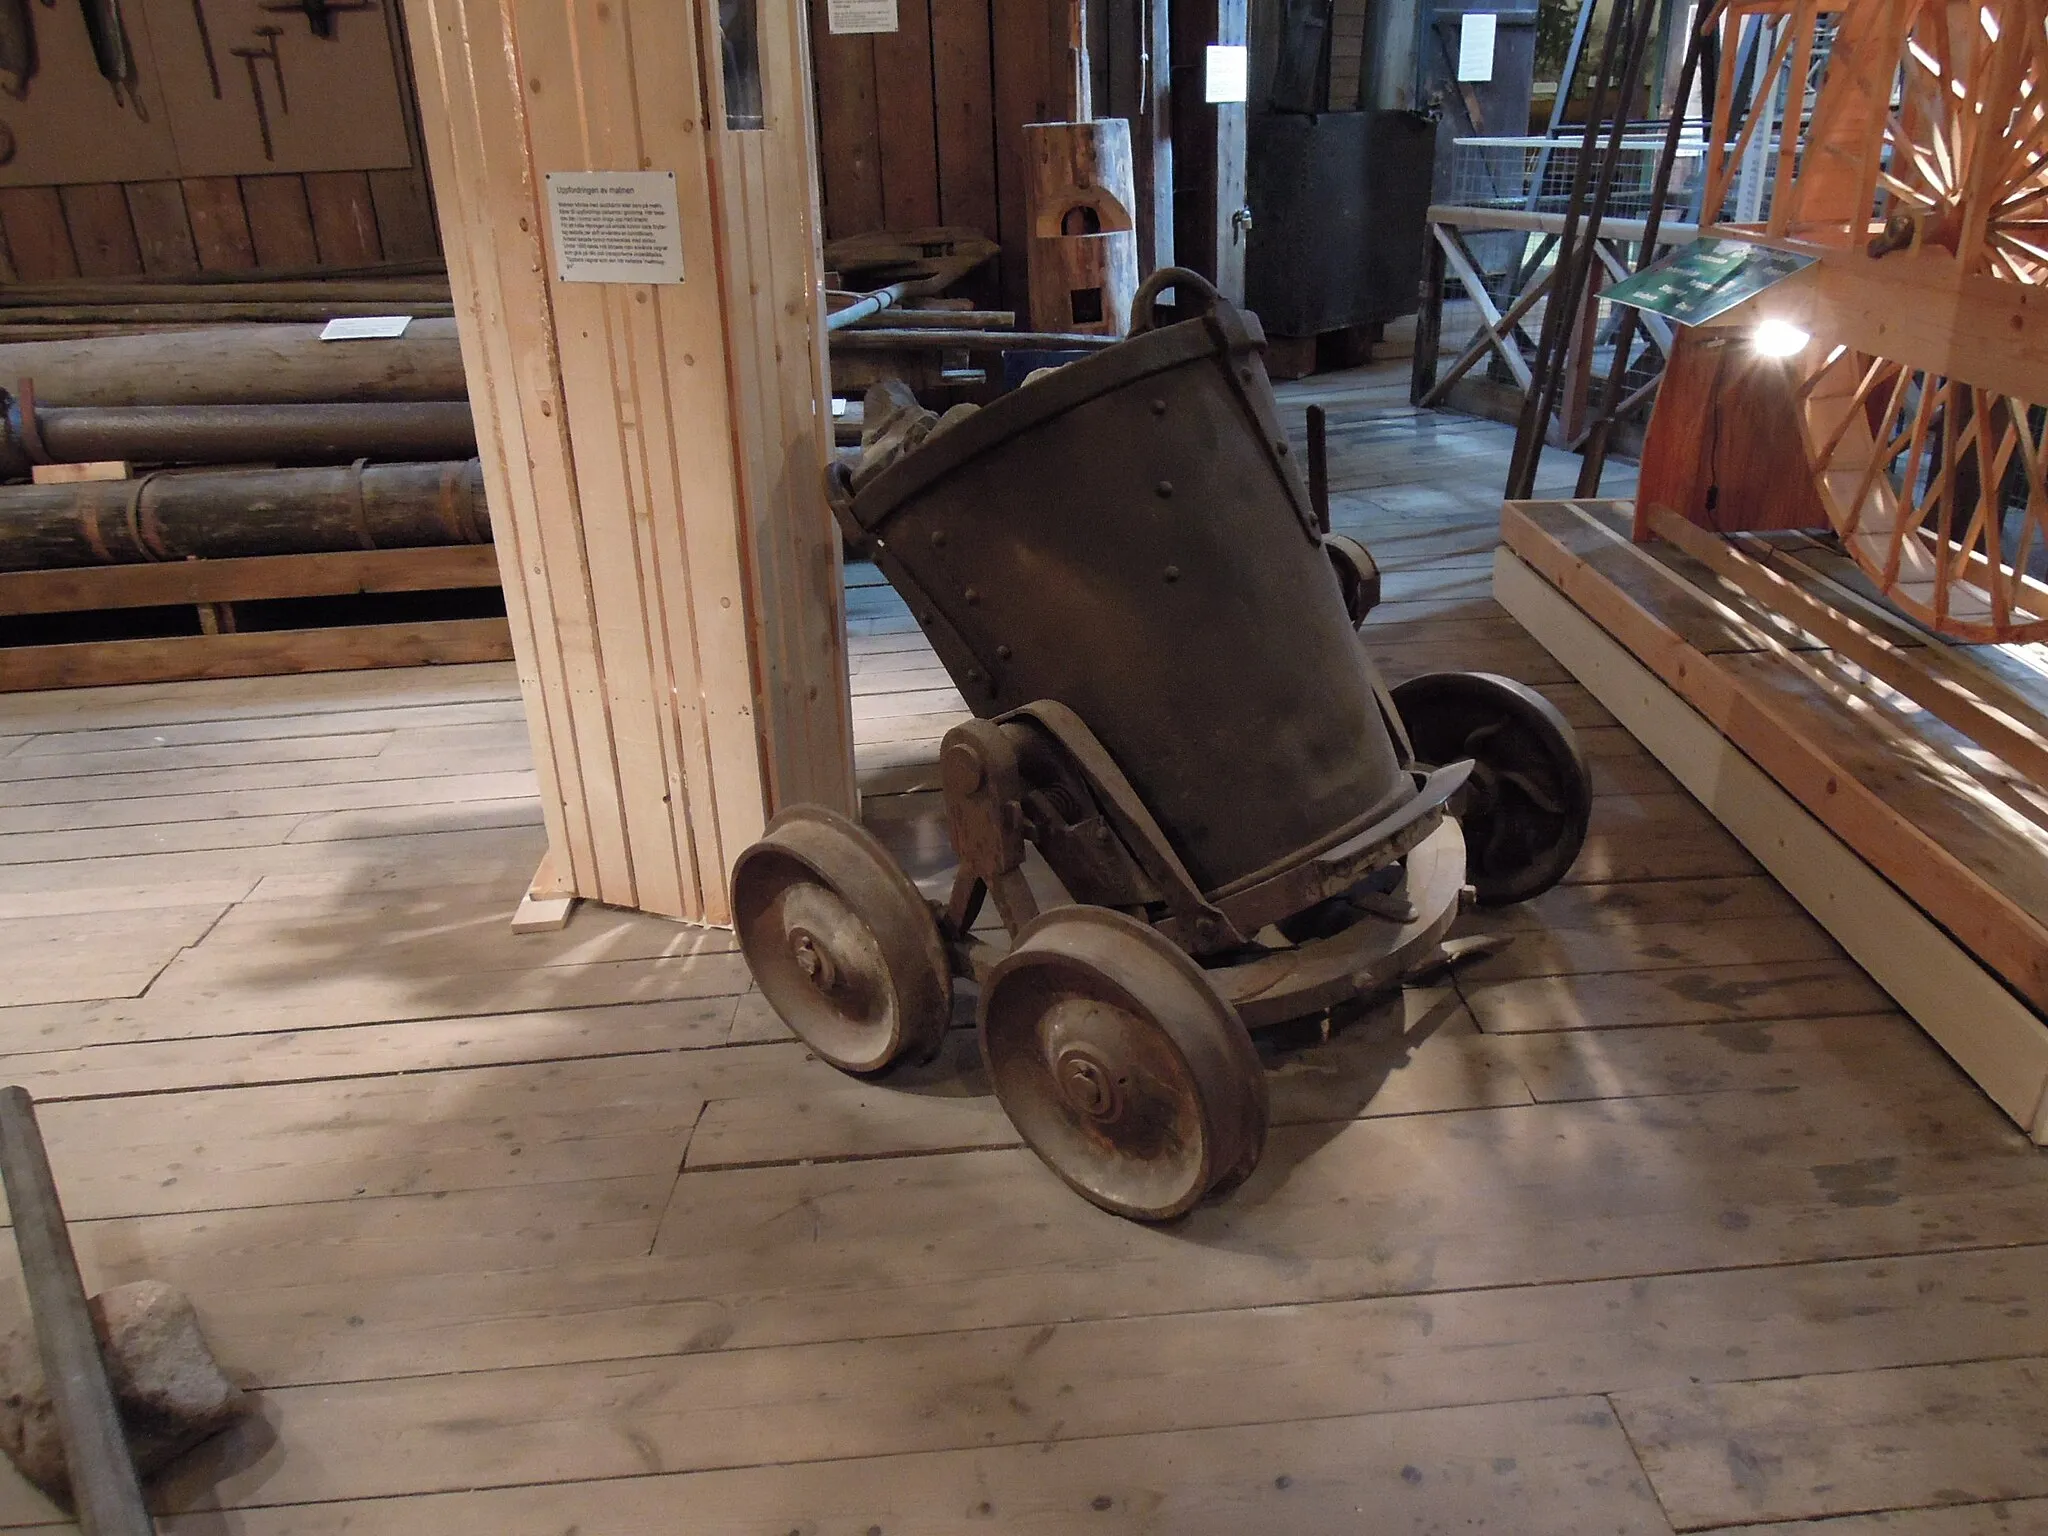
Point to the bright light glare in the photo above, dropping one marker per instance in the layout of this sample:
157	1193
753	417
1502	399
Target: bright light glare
1990	23
1778	338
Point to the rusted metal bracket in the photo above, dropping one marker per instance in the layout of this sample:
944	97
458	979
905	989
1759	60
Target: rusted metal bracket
984	789
1196	925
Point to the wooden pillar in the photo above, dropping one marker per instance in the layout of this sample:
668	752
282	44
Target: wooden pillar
653	451
1208	148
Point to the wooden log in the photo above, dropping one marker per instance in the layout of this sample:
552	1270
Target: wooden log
1084	243
235	434
380	290
899	318
223	313
861	338
228	513
240	365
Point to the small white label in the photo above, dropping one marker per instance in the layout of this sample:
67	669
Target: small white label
1227	76
1475	46
616	226
365	328
844	16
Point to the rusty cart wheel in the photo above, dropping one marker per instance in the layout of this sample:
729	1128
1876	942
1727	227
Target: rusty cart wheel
1525	809
1121	1065
840	942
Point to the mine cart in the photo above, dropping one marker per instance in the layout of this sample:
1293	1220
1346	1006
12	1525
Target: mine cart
1123	570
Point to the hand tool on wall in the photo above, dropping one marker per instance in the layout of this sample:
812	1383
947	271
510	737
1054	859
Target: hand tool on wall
110	48
206	45
319	14
271	42
17	48
249	56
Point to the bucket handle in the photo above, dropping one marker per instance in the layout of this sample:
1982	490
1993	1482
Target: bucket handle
1174	278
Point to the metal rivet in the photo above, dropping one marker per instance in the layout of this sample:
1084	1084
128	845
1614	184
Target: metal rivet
1280	447
973	596
925	617
1002	653
1245	374
1164	487
974	674
1173	573
1158	407
938	538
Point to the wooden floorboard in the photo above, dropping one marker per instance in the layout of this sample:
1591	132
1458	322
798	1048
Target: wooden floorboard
1661	1219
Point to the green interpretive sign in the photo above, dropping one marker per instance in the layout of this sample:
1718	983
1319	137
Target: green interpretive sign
1707	278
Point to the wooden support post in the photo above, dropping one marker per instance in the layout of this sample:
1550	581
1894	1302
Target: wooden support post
653	452
1209	148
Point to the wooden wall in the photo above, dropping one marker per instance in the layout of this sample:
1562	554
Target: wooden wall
216	224
925	125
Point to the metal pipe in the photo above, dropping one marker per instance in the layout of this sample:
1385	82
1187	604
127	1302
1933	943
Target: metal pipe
102	1472
234	434
871	304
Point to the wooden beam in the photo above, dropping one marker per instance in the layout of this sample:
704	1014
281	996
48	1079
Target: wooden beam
175	583
263	653
1208	147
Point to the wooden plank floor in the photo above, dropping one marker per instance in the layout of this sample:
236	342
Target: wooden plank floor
1661	1220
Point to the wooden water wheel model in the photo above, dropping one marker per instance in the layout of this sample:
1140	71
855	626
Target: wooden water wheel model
1923	179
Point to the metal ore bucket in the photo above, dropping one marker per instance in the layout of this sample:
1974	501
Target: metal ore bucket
1132	537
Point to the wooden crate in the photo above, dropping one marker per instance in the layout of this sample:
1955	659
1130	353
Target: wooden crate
213	586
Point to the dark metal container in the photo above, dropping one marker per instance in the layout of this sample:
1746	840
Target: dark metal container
1120	537
1340	203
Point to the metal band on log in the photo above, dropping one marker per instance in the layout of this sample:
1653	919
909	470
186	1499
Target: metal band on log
223	513
240	365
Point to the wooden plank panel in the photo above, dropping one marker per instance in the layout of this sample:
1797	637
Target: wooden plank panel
220	224
1166	1372
1715	1058
37	238
906	131
163	231
849	129
102	233
344	219
406	229
964	87
280	224
1680	995
69	959
1549	1468
1825	1445
256	576
505	310
771	229
622	459
218	803
1625	1187
1028	86
58	747
87	664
